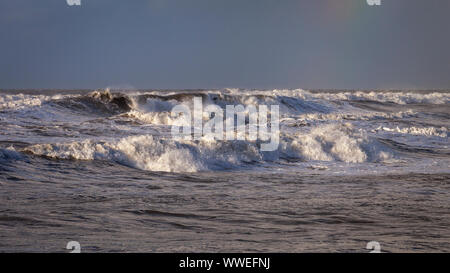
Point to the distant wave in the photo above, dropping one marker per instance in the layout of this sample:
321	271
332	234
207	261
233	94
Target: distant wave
300	100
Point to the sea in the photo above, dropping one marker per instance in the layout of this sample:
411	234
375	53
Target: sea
102	168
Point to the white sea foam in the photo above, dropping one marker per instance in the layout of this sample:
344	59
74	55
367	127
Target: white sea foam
380	96
303	119
155	118
155	154
338	142
21	101
386	96
423	131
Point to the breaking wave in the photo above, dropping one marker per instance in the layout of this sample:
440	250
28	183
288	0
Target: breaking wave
291	101
160	154
133	128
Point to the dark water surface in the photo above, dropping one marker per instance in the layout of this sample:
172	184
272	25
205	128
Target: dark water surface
123	209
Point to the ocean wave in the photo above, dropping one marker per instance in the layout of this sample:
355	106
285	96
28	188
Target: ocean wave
386	96
21	101
339	142
155	154
398	97
132	128
296	101
303	119
97	102
155	118
418	131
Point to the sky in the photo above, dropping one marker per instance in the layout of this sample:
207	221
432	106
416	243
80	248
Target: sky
261	44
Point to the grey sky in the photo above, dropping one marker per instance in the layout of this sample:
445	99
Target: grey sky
225	43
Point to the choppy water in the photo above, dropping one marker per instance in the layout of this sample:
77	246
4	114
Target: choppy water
101	168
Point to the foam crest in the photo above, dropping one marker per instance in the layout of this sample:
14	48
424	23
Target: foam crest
338	142
155	154
386	96
418	131
21	101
